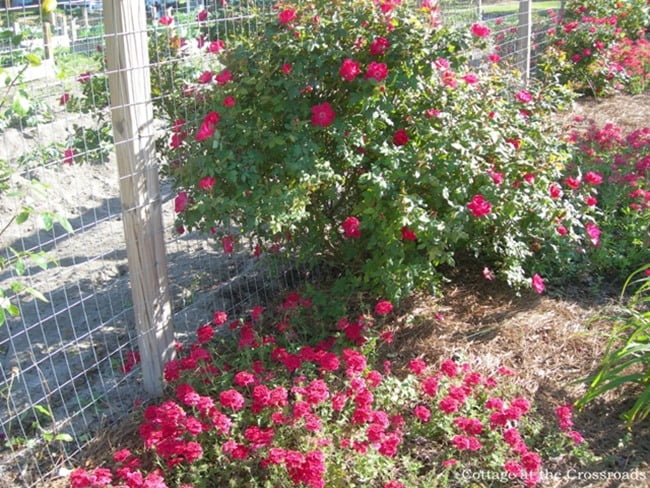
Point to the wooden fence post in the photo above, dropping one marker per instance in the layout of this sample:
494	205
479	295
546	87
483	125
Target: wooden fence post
73	30
47	41
84	16
524	37
64	26
127	59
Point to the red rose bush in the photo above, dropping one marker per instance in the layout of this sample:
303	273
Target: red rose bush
340	124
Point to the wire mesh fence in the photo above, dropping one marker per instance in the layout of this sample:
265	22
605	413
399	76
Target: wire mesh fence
69	358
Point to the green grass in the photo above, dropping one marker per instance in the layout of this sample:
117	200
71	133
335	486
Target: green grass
513	7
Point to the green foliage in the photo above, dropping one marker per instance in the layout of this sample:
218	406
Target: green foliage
18	107
627	359
18	261
404	155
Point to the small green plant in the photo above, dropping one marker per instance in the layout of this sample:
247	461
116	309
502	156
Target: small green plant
18	261
18	107
627	359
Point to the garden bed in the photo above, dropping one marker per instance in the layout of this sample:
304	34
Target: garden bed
550	341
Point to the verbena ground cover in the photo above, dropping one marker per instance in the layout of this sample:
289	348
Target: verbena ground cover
273	409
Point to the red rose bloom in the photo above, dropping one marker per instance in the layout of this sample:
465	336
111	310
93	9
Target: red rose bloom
379	46
207	183
400	137
479	206
180	202
349	70
408	234
286	16
480	30
377	71
322	115
224	77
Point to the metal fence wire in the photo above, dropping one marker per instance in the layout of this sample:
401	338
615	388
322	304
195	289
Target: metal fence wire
69	359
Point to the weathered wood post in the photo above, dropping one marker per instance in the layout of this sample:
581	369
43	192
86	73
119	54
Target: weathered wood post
73	30
64	26
524	37
48	46
84	16
133	129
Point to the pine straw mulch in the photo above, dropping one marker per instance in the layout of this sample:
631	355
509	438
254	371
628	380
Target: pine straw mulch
630	112
551	341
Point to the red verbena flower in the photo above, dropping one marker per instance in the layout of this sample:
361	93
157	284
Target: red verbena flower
231	399
417	366
204	333
220	318
422	412
449	368
523	96
383	307
393	484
